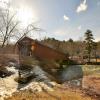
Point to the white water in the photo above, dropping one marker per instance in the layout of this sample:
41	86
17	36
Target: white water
8	85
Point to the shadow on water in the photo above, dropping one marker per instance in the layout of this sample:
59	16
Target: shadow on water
5	73
35	74
73	73
23	81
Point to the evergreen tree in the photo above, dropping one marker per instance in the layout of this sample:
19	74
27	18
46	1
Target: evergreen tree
89	43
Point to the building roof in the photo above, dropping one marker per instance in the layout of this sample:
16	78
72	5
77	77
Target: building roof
26	37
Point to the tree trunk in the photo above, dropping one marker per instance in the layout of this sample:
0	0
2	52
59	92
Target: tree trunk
3	44
89	57
95	57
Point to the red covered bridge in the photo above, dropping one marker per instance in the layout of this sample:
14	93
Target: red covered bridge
29	47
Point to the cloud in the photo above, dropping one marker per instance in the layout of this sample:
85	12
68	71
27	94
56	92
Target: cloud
79	27
82	7
66	18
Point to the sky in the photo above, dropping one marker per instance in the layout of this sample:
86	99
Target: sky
61	19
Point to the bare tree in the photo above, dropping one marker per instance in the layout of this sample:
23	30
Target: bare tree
29	29
8	25
95	47
71	46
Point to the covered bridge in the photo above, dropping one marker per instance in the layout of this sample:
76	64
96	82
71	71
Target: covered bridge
29	47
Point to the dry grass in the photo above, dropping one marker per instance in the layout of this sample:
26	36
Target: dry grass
91	69
92	82
58	94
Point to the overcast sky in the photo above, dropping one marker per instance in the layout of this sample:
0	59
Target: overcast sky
63	19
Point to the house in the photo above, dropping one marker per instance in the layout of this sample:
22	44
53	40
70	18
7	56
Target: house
29	47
